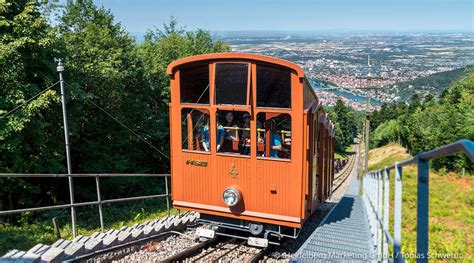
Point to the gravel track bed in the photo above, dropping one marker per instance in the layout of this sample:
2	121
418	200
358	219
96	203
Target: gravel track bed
243	253
150	251
289	246
226	252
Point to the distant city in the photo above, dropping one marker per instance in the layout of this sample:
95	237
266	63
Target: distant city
339	60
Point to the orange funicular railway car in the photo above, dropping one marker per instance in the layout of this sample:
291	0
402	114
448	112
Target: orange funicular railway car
252	148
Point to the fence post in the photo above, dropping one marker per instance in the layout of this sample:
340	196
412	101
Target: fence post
167	196
386	209
376	203
397	222
372	204
379	213
422	210
99	199
56	228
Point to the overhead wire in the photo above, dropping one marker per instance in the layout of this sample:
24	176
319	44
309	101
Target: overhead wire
90	101
87	97
28	101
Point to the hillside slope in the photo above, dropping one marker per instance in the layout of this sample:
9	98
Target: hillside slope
451	222
433	84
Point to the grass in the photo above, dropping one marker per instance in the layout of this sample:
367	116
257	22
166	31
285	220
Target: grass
451	221
38	228
342	155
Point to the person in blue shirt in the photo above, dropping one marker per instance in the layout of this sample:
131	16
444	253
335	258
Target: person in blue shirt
275	142
205	136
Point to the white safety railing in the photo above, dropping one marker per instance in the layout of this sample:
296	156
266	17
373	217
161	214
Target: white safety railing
377	200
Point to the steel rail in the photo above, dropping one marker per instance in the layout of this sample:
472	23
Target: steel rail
346	173
190	251
28	175
346	168
56	207
194	251
99	202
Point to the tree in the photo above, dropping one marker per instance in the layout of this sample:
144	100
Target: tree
345	124
105	69
434	124
414	103
29	135
103	66
385	133
160	48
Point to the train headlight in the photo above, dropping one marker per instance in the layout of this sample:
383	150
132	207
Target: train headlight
230	196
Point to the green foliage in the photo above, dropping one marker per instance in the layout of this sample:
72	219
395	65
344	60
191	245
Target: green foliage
103	65
436	83
431	124
385	133
29	136
347	122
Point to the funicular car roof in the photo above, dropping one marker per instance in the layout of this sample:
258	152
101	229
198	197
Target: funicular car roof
236	56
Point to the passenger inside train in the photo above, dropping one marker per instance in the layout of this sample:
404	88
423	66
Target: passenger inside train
277	128
230	130
245	130
220	137
233	135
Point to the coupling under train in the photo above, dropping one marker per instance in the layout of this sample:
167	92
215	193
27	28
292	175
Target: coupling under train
252	148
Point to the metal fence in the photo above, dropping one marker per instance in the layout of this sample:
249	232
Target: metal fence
99	201
377	193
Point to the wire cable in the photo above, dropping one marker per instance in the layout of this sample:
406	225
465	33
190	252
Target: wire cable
119	122
28	101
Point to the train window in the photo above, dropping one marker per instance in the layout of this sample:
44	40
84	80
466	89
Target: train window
195	129
194	83
231	83
274	135
273	87
233	132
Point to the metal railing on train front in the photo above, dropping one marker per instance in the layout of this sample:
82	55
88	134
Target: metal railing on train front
99	201
377	193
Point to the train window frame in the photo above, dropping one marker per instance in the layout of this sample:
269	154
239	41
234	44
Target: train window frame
182	126
316	115
269	65
248	101
240	112
192	104
269	158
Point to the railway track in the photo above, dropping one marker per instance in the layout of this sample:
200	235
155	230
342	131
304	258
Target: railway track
180	246
222	249
229	250
346	172
166	240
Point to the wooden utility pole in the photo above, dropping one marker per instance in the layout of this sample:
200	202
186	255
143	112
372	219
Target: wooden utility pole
369	87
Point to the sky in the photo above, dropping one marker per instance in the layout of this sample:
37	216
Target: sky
296	15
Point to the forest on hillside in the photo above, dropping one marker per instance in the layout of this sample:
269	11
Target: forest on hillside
435	83
107	73
430	122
